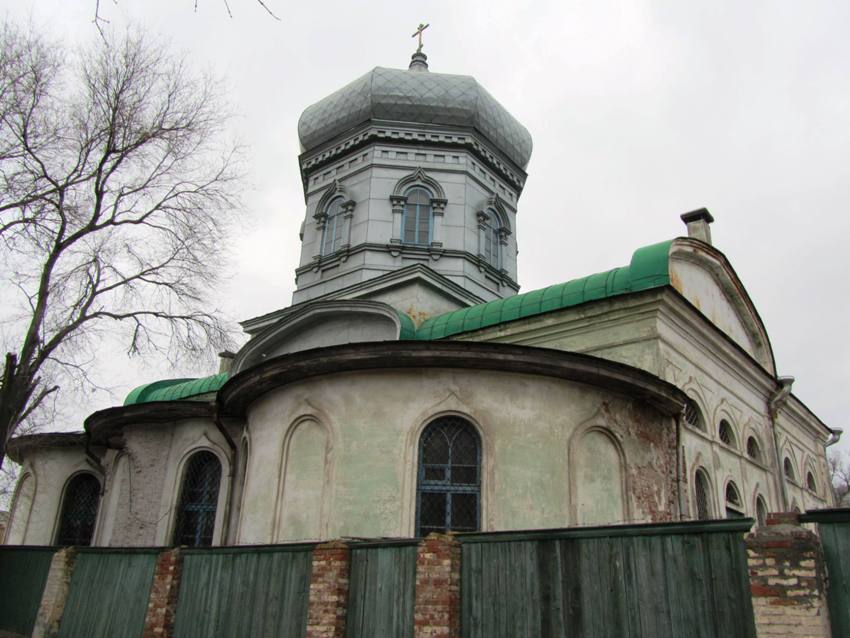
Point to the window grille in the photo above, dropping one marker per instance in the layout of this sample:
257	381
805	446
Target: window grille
79	511
693	416
198	500
761	512
733	501
726	433
332	237
416	220
810	482
448	494
701	493
788	469
753	449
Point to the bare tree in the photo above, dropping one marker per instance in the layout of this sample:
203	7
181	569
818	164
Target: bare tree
839	475
116	191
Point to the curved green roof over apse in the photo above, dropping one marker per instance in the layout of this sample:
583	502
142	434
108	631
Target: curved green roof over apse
649	268
175	389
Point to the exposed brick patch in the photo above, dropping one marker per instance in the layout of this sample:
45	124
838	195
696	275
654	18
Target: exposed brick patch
55	594
436	608
162	603
787	580
328	591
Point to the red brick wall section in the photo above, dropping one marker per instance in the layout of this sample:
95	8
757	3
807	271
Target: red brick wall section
787	580
162	604
55	594
328	591
436	608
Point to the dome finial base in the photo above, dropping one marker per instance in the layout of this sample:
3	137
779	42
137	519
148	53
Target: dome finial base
418	62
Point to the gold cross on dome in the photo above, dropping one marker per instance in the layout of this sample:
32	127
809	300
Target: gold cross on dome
418	32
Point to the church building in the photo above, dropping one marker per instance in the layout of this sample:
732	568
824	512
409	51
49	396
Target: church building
410	387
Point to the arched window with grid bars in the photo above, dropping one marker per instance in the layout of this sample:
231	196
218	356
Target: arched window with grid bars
196	509
693	415
734	505
79	510
754	449
448	488
726	434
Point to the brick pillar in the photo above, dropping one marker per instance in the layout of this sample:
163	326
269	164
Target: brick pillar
328	591
436	608
162	603
55	594
787	580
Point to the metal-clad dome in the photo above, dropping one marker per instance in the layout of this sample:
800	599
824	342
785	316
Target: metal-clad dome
419	97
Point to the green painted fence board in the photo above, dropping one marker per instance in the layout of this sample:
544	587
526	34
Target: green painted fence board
616	583
23	572
381	588
108	594
834	530
251	592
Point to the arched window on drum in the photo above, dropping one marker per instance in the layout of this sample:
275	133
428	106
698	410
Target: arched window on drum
416	221
448	487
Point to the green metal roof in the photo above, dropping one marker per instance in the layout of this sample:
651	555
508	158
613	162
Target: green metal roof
175	389
648	269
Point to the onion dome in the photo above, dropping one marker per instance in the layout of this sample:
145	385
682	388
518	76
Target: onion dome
415	96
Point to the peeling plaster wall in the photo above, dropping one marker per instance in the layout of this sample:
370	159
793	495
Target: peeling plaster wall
374	420
658	332
144	481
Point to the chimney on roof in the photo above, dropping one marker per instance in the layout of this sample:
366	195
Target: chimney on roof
225	361
697	222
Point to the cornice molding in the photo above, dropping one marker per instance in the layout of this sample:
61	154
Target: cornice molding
236	396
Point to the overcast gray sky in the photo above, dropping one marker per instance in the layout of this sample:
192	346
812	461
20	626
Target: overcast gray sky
639	111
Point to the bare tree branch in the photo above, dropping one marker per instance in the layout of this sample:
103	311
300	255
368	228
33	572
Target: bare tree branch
116	195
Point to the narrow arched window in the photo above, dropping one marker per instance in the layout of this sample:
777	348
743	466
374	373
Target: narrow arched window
788	469
79	510
753	449
734	507
332	235
811	483
416	221
693	415
492	240
448	490
726	433
761	511
702	495
198	500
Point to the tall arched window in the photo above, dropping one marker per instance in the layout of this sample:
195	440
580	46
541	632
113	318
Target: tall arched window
79	510
448	488
416	220
198	500
492	239
332	235
702	495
